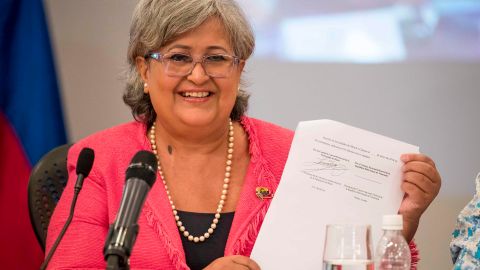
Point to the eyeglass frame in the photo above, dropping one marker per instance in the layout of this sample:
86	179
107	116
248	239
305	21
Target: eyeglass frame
158	56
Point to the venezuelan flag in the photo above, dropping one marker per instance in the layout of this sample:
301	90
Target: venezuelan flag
31	122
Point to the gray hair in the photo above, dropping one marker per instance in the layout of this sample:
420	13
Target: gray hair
156	23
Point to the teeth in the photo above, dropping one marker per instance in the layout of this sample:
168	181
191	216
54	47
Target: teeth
195	94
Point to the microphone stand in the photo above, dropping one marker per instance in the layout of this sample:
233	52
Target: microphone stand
113	263
78	186
118	247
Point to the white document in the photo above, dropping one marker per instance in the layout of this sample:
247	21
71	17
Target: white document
335	174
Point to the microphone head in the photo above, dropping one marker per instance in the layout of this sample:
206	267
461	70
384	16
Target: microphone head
85	161
143	166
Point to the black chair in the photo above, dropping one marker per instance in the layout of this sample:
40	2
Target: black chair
45	186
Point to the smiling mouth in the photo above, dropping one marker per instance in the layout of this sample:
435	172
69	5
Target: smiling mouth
203	94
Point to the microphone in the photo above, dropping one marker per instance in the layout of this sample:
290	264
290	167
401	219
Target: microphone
140	177
84	166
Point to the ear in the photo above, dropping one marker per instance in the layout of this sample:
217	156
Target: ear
241	65
142	69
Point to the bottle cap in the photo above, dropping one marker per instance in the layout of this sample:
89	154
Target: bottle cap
392	222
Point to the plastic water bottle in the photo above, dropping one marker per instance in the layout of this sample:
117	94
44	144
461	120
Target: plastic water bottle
393	252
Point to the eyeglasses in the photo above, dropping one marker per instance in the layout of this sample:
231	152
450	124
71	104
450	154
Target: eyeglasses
179	65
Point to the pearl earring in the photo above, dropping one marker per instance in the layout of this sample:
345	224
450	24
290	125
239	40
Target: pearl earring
145	86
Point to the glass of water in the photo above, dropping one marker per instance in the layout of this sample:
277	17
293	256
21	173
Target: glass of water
348	247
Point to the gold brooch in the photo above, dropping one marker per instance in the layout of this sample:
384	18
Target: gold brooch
263	193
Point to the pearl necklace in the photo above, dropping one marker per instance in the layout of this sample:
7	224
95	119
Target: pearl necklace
223	196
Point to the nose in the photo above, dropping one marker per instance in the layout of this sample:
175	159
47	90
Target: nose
198	74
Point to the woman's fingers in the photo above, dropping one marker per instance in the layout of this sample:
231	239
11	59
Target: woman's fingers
417	157
234	262
420	171
245	261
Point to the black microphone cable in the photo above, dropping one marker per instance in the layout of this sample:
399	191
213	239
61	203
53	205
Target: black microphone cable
84	165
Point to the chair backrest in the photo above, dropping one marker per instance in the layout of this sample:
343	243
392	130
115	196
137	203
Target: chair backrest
45	186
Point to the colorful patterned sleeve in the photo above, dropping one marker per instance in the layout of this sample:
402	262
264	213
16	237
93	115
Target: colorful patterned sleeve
465	244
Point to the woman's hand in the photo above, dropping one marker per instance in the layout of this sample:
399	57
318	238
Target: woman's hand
233	262
421	184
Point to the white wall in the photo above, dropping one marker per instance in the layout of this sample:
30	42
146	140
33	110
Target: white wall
433	105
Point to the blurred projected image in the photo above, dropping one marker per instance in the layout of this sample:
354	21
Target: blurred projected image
366	31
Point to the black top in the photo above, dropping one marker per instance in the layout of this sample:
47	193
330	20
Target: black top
201	254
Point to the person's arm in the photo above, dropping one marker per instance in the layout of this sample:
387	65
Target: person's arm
421	184
82	244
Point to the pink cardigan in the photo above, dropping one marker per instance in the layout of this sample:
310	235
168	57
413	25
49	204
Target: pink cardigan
158	245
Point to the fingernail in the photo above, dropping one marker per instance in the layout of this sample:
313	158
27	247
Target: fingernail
404	157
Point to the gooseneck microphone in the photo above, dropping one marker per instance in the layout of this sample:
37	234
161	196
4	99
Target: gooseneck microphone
84	166
140	177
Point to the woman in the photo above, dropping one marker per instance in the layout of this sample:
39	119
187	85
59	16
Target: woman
186	59
465	244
